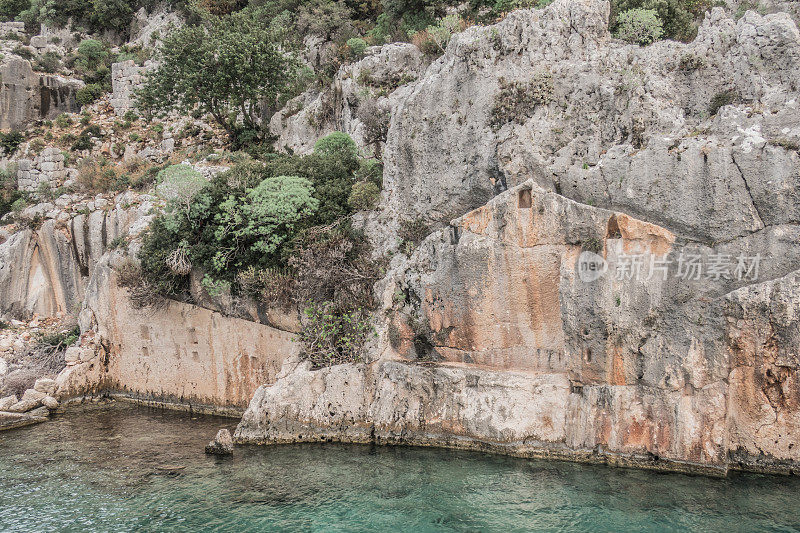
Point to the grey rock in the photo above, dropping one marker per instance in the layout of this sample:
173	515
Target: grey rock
45	385
222	444
26	95
33	394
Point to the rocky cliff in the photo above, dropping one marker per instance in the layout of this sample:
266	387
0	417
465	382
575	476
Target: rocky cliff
612	271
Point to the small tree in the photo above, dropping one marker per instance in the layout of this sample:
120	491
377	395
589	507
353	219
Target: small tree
232	67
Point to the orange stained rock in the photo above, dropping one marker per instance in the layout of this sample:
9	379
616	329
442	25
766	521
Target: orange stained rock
636	233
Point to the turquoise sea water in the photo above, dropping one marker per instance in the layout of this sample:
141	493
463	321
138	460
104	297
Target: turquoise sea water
123	468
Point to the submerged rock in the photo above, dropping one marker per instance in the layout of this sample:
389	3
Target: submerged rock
222	444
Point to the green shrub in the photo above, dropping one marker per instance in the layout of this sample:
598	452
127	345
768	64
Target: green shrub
370	170
433	39
63	120
89	94
364	196
23	52
91	52
258	216
680	18
10	141
179	184
337	144
18	205
9	193
48	62
517	101
268	216
357	46
504	6
639	26
412	233
722	99
328	338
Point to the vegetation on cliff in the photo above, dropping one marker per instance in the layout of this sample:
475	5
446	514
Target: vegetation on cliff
276	230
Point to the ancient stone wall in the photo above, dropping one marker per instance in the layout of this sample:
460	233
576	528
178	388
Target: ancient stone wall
180	352
126	77
46	168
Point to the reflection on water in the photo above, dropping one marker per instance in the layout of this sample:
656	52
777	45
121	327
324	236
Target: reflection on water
119	467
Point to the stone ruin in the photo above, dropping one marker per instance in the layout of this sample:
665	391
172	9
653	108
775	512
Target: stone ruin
47	168
126	77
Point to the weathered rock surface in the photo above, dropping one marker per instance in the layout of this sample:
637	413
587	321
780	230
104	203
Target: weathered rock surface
50	402
46	271
615	125
7	402
222	444
26	95
533	360
377	80
23	406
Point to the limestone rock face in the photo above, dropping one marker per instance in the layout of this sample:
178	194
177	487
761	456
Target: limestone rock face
26	96
378	78
646	130
550	310
158	22
532	359
46	271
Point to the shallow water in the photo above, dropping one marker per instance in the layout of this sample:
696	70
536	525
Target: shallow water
112	468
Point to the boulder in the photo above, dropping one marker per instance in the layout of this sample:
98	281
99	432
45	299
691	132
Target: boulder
50	402
222	444
24	406
73	354
33	394
7	402
45	385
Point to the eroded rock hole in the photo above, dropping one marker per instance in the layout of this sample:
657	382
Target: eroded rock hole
524	201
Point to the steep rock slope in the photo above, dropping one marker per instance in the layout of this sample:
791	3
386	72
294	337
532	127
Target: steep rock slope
491	334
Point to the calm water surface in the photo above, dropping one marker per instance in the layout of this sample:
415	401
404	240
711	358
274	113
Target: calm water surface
112	468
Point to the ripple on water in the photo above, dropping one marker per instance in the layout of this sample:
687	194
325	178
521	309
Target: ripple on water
120	467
